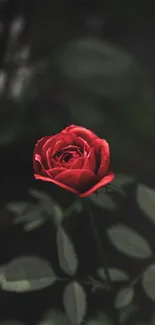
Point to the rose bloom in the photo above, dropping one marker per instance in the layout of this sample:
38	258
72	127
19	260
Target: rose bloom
74	159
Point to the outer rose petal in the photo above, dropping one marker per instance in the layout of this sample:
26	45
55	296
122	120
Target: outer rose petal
82	132
38	149
38	168
103	154
53	172
40	143
90	162
107	179
38	165
49	158
51	180
80	179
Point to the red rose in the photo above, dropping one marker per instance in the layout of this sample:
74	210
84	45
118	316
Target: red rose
75	159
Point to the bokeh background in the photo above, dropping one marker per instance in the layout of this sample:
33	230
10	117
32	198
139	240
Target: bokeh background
62	63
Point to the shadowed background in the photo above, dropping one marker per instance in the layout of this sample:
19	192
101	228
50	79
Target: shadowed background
65	63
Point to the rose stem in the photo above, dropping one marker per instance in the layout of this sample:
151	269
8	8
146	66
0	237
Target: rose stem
100	252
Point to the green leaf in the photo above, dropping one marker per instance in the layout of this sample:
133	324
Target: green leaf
146	200
115	274
54	317
26	273
48	206
77	207
19	208
103	200
100	319
153	319
148	282
75	303
127	313
121	180
40	195
102	69
124	297
32	215
24	211
129	242
35	215
34	224
66	253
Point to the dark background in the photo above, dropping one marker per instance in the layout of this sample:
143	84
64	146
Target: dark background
65	63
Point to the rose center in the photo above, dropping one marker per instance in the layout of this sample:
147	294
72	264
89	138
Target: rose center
68	155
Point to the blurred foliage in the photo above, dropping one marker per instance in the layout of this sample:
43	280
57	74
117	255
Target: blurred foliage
31	273
65	63
92	83
102	70
86	80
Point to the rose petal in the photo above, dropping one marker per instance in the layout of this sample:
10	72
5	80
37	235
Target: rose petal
77	164
38	168
38	165
105	160
90	162
82	144
70	127
82	132
51	180
53	172
106	179
38	159
87	180
38	150
55	163
70	178
79	179
71	148
39	144
58	146
66	139
49	158
102	155
50	143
